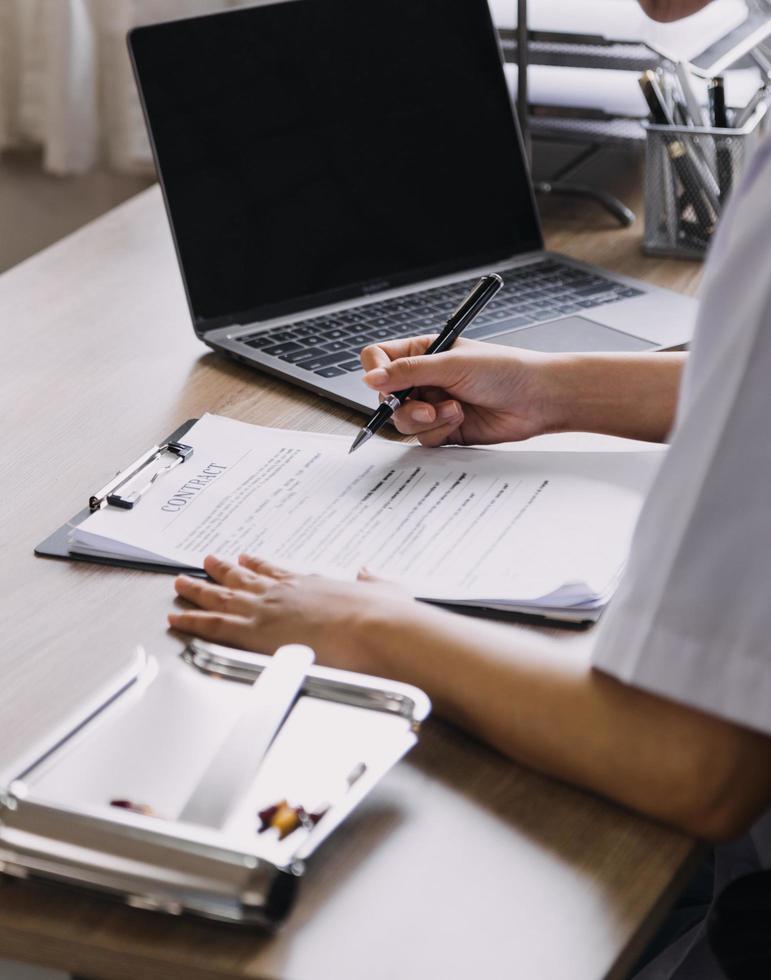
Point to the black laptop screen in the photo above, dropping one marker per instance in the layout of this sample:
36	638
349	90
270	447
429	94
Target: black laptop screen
317	149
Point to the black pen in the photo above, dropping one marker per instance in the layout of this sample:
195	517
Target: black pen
719	117
472	305
716	96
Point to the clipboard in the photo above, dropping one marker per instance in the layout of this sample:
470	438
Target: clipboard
56	545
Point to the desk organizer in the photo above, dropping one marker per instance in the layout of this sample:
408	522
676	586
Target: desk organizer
689	174
144	744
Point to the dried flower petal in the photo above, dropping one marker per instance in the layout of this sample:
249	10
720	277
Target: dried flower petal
141	808
286	820
266	816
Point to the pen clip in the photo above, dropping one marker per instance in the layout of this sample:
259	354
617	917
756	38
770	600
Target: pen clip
109	494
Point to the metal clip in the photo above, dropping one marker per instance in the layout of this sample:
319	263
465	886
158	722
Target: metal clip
109	493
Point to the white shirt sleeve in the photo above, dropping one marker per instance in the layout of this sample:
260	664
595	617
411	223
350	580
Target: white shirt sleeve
692	618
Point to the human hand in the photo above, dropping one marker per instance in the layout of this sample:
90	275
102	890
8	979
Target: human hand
473	394
254	605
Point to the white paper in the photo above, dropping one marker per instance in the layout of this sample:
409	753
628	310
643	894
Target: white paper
451	524
624	20
614	92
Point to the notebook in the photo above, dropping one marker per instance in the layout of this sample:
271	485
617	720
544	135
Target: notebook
544	533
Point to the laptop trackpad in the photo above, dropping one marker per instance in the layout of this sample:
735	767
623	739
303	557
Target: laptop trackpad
572	333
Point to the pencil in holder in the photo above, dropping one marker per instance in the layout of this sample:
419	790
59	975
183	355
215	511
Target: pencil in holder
689	174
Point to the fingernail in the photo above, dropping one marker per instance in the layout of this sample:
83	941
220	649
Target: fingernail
378	376
448	411
422	415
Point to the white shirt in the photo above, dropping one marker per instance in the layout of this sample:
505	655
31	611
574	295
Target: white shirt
692	618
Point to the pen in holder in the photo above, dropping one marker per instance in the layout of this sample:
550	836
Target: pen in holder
689	174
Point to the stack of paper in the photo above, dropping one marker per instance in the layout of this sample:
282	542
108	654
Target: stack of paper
614	92
611	91
536	532
625	21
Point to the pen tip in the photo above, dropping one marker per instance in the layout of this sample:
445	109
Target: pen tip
362	436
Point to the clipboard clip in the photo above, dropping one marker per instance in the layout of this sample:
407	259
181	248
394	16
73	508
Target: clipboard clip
110	495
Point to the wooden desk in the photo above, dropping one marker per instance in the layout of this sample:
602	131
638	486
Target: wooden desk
99	360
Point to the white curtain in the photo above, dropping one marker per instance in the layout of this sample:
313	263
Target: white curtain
66	83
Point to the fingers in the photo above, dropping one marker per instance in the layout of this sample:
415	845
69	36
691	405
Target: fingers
231	630
227	573
415	371
416	417
228	607
263	568
215	598
380	355
250	572
441	435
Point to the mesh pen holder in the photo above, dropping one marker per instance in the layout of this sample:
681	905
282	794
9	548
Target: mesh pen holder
689	174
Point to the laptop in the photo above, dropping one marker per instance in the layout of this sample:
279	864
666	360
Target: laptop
338	173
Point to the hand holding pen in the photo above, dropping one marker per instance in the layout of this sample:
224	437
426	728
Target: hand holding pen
472	305
476	393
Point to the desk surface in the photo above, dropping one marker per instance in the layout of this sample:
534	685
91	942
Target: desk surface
99	360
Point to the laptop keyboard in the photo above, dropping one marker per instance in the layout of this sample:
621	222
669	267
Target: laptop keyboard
329	345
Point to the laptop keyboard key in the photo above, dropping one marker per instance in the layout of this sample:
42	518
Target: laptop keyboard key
304	354
329	372
258	340
323	360
593	287
351	365
287	347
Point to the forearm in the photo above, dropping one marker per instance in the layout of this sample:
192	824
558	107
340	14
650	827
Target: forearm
539	701
631	395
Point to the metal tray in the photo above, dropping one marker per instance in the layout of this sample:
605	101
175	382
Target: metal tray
148	737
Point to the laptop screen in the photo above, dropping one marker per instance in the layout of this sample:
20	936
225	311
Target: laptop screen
314	150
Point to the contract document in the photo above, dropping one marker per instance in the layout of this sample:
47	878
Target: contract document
538	532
